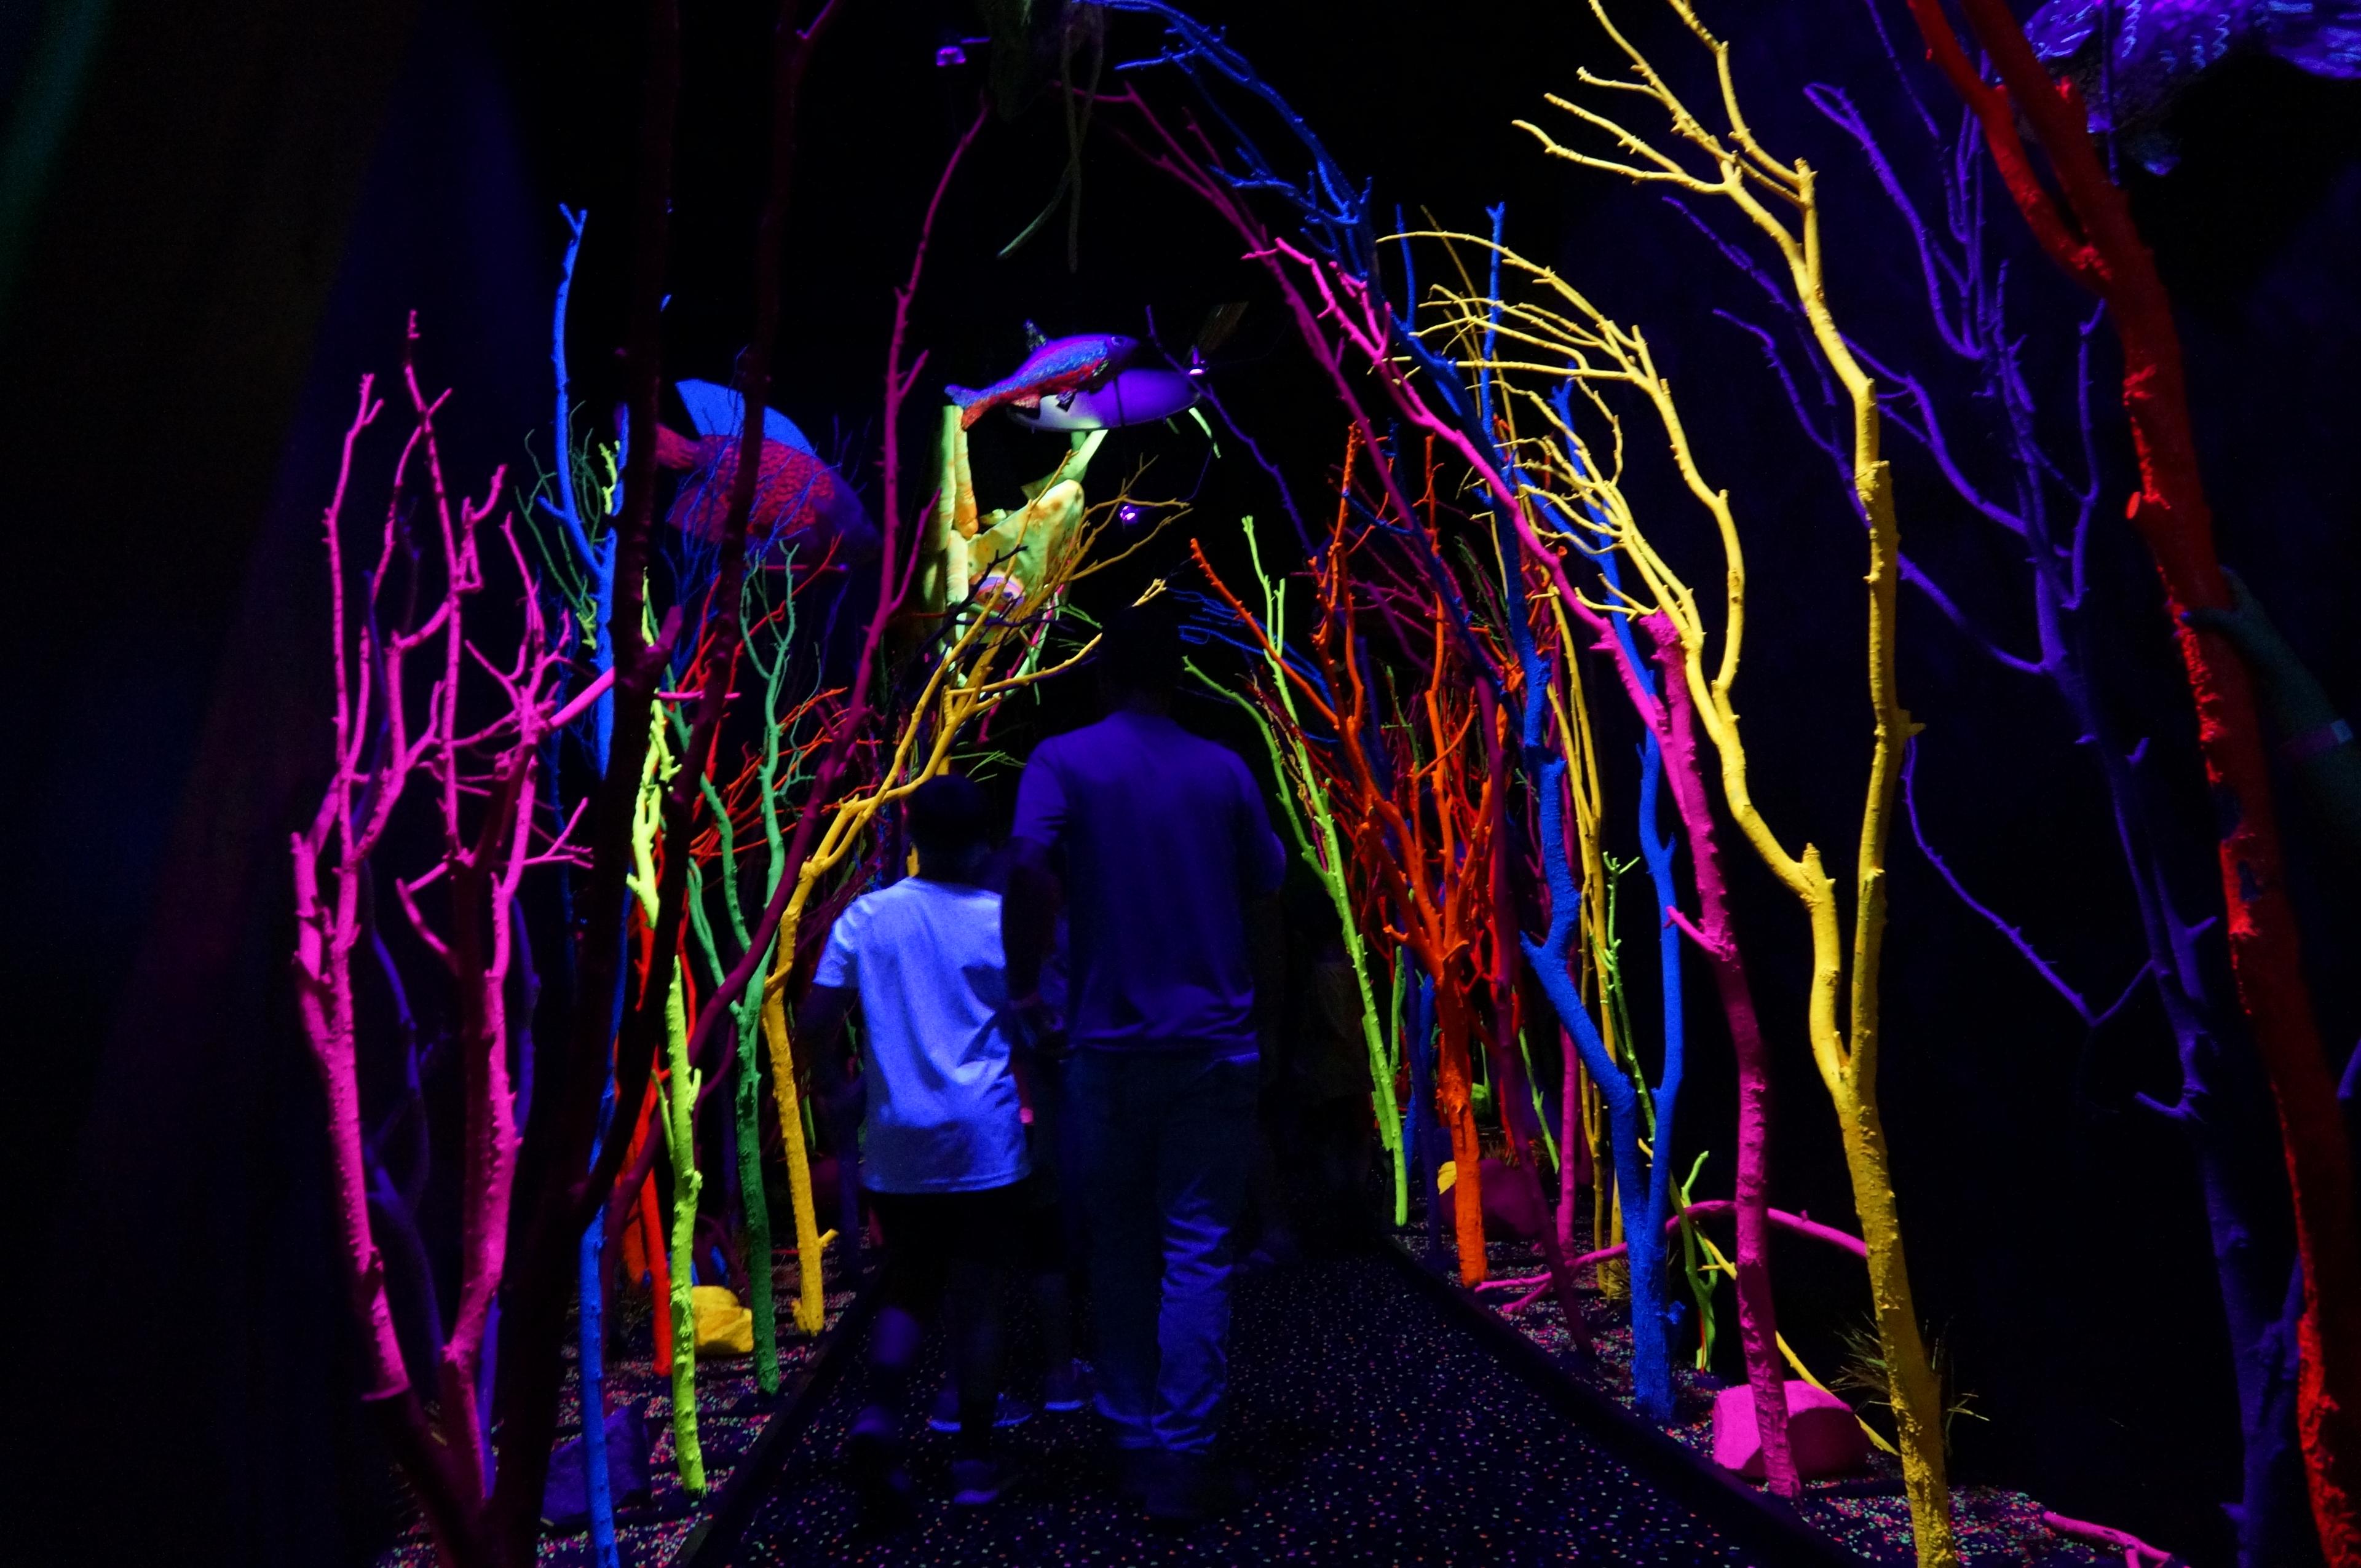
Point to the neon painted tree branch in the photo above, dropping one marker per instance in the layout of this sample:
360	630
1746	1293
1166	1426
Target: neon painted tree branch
2047	504
562	1201
1193	165
778	771
2084	222
1423	832
1426	888
581	579
565	1167
1343	313
1644	1191
676	1105
1747	175
481	779
1304	794
1571	339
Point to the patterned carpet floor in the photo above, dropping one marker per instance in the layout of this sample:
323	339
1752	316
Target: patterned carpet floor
1375	1431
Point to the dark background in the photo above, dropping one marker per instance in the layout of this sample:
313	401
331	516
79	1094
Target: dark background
242	202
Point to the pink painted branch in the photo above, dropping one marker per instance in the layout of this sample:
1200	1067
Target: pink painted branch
1522	1281
325	941
1708	1208
583	699
1716	934
559	847
2138	1553
486	792
898	382
407	892
1704	1209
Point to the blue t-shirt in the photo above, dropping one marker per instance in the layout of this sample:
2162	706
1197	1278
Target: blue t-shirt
942	1115
1165	839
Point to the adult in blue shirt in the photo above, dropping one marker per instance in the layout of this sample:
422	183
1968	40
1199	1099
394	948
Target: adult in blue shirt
1164	843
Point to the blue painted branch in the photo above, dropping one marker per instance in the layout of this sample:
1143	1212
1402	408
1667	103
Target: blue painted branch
1652	1376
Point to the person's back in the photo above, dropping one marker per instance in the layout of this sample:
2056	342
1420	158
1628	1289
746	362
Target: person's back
1165	838
942	1104
943	1157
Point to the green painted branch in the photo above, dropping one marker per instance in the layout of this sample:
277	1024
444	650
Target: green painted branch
687	1185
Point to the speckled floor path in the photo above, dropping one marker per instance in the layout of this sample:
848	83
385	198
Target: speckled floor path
1377	1432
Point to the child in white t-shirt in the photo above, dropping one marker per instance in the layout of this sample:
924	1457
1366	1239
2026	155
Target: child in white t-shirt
943	1155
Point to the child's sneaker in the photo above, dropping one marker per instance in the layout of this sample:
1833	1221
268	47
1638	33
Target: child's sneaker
1066	1388
872	1452
1011	1411
977	1482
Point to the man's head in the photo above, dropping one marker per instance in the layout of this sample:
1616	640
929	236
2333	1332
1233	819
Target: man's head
950	824
1140	653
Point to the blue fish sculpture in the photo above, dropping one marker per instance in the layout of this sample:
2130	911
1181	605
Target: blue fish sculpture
1057	368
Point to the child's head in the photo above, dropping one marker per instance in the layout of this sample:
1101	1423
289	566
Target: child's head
1140	651
951	824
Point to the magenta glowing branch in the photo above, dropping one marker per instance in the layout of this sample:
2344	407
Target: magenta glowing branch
482	787
1704	1209
1671	718
2138	1553
352	818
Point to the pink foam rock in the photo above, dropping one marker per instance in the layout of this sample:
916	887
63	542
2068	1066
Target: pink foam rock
1821	1430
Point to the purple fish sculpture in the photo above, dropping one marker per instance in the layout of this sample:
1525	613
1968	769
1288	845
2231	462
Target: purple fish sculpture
1136	396
1057	368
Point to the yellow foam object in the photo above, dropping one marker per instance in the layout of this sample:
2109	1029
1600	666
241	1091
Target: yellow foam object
723	1327
1445	1175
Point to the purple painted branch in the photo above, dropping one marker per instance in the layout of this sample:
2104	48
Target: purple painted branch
1739	257
1982	911
1938	271
1842	466
1777	363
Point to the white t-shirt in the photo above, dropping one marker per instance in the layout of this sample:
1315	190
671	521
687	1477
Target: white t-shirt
925	958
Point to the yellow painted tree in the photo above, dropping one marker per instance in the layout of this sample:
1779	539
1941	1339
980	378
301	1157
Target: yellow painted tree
1779	200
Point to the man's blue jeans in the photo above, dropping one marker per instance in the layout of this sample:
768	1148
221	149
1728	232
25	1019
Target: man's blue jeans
1165	1141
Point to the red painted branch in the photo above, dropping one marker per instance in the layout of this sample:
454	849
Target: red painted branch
2174	520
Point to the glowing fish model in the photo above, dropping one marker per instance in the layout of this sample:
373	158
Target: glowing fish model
799	498
1061	368
1138	396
